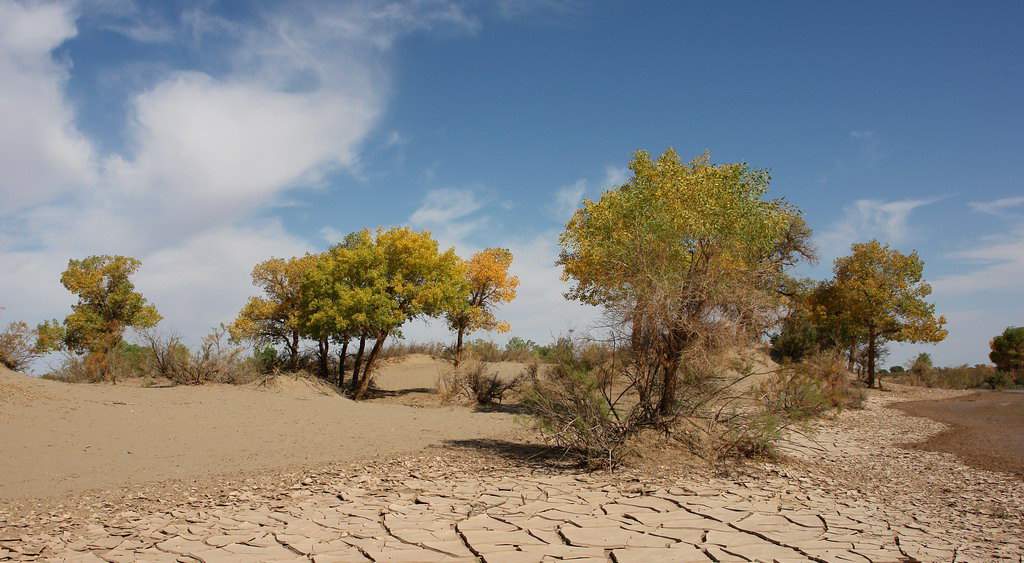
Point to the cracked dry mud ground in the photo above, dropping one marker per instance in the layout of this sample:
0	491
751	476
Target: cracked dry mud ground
853	495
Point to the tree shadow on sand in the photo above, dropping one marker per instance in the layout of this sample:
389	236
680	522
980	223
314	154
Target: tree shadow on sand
510	408
381	393
522	453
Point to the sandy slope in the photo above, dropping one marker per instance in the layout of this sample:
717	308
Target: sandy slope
56	437
419	371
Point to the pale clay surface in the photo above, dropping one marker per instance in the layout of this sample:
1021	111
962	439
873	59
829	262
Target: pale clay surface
850	496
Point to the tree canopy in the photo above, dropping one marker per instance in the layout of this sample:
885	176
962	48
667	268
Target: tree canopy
1008	352
274	318
880	291
394	276
682	250
107	306
489	285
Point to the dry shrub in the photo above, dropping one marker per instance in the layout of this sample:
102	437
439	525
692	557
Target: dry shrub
807	389
475	381
854	397
74	369
213	361
17	346
397	349
571	406
597	399
962	377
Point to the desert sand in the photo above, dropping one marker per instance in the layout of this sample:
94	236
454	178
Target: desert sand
58	438
852	494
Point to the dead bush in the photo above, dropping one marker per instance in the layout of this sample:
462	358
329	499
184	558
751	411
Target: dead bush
571	406
854	397
18	346
597	399
397	349
812	387
74	369
474	380
214	361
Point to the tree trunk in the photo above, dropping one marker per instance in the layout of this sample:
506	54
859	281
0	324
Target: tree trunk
871	358
458	346
324	347
673	349
359	362
293	348
368	368
341	363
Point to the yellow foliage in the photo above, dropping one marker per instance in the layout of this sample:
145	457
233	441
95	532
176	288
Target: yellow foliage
275	316
669	223
882	290
489	285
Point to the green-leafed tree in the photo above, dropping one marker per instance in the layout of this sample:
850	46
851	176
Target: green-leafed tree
379	280
682	252
1008	352
879	293
108	305
332	310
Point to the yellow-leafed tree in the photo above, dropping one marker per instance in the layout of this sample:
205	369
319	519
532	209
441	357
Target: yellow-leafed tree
489	286
881	292
275	318
682	251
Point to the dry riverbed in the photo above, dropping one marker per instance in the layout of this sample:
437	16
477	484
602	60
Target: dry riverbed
852	494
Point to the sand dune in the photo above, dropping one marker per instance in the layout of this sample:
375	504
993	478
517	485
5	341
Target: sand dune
57	437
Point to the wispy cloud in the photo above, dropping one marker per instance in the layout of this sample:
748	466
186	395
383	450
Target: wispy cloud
395	138
865	219
330	235
567	199
448	213
998	207
991	264
614	176
446	205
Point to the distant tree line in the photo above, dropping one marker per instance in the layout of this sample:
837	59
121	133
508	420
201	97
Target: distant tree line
361	291
684	258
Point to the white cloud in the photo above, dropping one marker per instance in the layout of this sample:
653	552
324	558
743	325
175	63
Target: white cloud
447	213
567	199
997	207
204	280
615	176
540	310
446	205
998	265
865	219
331	235
211	149
296	95
41	153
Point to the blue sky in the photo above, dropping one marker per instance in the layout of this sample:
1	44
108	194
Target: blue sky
203	137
